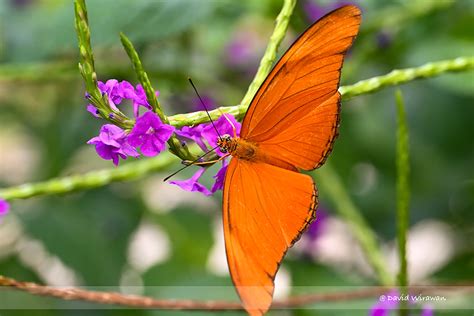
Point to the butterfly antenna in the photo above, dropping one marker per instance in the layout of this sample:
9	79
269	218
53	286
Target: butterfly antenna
190	164
205	108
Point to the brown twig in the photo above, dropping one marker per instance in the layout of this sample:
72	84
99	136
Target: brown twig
113	298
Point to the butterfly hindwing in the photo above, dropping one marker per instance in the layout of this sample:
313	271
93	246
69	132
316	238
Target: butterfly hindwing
265	208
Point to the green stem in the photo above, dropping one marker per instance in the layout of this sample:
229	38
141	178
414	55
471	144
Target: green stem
174	144
330	182
403	195
86	65
395	77
400	76
270	54
87	69
142	76
89	180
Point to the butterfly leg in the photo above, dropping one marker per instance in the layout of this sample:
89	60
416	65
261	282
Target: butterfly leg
204	163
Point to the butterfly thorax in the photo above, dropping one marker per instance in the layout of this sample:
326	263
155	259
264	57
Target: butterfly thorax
238	147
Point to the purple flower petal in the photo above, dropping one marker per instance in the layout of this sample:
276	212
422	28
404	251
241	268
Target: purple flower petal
148	147
112	88
4	207
126	90
141	96
93	110
317	226
110	134
106	152
108	86
220	177
111	144
150	134
192	183
118	91
193	133
127	150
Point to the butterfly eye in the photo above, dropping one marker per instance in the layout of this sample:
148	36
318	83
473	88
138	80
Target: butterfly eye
226	138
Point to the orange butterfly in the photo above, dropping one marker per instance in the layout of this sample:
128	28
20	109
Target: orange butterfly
290	125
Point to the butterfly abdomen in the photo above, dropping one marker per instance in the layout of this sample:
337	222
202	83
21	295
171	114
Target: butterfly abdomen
247	150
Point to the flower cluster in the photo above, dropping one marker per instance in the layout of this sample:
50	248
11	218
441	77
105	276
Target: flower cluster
148	135
206	136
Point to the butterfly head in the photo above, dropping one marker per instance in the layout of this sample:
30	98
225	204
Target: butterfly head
226	143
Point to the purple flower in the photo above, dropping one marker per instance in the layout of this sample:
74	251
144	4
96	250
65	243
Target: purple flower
192	184
220	177
141	100
119	91
384	39
193	133
317	226
150	134
93	110
111	144
239	51
244	50
110	88
4	207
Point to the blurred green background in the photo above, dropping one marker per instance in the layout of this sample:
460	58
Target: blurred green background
147	237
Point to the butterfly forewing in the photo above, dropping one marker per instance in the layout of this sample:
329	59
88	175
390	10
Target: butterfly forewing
306	78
